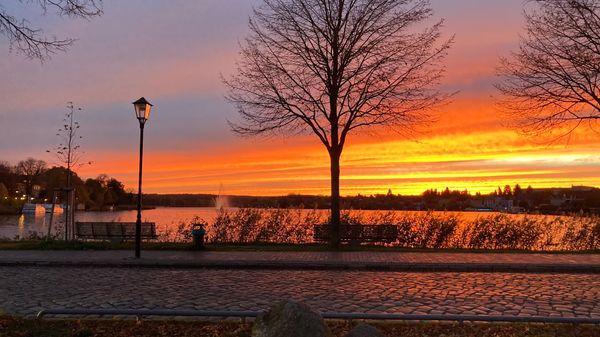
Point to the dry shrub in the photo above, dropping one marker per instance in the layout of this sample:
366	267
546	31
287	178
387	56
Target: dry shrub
583	234
251	225
415	229
501	231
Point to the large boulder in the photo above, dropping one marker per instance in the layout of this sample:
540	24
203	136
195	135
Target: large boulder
364	330
290	319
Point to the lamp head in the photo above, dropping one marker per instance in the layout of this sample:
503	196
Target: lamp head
142	109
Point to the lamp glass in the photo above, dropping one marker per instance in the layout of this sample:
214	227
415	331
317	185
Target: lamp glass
142	109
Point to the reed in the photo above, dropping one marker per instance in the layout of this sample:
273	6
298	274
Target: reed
423	230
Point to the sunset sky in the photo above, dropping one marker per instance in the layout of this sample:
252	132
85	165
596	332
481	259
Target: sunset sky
173	52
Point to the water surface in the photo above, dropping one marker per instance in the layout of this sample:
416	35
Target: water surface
167	219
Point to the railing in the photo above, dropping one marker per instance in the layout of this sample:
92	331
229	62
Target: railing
327	315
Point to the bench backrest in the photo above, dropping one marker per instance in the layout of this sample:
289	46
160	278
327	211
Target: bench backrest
373	233
108	230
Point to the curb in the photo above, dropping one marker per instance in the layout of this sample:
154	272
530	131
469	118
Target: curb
292	265
140	313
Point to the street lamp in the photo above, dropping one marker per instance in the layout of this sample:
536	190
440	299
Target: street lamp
142	112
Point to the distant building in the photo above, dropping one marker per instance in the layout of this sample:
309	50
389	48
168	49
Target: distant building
496	203
582	188
35	191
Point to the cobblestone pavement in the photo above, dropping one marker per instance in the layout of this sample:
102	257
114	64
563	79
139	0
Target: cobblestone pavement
25	290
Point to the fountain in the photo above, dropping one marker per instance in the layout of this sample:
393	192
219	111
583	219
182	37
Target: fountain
221	201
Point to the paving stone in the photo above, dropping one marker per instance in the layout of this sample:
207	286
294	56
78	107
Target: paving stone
25	290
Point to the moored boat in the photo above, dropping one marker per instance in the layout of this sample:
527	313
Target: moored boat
32	208
57	208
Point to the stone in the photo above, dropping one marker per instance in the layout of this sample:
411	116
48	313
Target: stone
365	330
290	319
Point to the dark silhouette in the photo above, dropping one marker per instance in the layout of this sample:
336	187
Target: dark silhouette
69	155
68	151
31	175
103	193
332	67
551	83
559	200
30	171
198	233
142	112
7	175
33	42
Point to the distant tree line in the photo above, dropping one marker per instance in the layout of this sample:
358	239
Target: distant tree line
507	198
31	180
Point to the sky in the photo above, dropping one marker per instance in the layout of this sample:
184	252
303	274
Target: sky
174	54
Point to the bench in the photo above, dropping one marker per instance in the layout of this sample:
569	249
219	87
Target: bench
358	233
114	231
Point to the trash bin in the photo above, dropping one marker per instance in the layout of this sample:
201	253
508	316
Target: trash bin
198	235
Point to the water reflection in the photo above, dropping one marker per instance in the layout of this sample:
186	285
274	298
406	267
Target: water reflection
26	225
167	219
551	230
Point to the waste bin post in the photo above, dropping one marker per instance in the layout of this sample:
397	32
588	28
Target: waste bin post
198	233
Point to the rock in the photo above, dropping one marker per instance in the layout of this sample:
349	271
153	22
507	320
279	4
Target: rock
290	319
364	330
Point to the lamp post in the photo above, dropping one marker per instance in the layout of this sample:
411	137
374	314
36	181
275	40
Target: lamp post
142	112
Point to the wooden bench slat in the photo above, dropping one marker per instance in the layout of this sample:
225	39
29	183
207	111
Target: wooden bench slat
114	230
360	233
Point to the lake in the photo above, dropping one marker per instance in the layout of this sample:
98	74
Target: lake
24	225
471	230
166	219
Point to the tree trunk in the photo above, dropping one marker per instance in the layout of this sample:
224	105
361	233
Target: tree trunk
68	210
335	198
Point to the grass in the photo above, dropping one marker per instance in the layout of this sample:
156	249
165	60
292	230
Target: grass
18	327
237	247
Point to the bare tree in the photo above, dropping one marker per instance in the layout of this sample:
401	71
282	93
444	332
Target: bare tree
30	169
551	84
33	42
330	67
69	155
68	152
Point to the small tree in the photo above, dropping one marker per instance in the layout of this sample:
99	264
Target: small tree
517	191
33	42
333	67
68	152
507	191
552	83
69	155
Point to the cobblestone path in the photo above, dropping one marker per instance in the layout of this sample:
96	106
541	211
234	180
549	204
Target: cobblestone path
174	257
25	290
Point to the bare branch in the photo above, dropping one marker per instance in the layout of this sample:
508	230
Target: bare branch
552	82
330	67
33	42
68	151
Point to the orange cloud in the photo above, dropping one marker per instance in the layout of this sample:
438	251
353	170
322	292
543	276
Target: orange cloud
480	157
